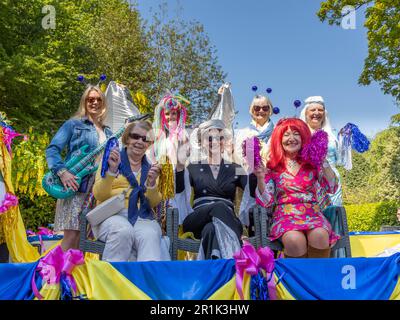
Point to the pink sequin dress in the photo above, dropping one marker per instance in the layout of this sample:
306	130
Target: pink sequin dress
296	202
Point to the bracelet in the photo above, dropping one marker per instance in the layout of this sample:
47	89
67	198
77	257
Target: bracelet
61	172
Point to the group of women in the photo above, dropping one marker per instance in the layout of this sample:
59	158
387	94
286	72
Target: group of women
205	188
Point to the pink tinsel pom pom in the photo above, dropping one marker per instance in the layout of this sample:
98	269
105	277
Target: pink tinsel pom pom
9	201
251	150
315	152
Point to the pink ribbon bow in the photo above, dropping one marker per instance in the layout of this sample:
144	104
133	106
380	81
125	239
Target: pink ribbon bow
42	232
9	135
252	262
9	201
54	264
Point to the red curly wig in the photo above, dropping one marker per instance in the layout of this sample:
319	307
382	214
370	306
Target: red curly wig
277	160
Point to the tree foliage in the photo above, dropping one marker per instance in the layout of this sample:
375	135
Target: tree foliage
383	32
376	174
186	62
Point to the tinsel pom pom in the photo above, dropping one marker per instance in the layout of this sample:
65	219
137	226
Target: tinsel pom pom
111	144
103	77
80	78
276	110
352	135
166	181
254	88
269	90
315	152
251	151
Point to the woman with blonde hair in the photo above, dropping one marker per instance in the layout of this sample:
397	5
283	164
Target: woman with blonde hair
261	126
84	128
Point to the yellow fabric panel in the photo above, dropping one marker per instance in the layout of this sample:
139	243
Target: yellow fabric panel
99	280
396	292
281	291
50	292
18	245
371	245
11	223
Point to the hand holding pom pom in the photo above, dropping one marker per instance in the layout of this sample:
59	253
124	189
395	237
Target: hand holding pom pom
251	150
315	152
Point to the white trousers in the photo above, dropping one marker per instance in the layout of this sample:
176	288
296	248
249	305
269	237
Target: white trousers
124	242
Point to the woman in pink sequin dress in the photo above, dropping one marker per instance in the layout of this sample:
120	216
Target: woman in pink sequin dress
290	184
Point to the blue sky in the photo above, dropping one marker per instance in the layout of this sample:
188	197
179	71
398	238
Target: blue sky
283	45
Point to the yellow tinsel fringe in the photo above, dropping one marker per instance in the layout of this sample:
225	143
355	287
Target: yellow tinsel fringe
166	181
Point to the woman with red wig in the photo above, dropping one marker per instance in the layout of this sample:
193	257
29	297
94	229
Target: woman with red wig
290	183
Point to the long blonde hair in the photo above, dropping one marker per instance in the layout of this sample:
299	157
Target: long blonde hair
82	105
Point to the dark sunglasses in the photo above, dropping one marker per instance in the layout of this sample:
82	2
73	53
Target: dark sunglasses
136	136
91	100
258	108
220	138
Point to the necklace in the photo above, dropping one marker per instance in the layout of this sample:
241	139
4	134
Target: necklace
291	164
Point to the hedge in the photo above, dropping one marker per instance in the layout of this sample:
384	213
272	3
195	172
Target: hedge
371	216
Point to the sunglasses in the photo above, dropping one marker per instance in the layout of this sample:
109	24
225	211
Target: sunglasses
92	100
220	138
258	108
136	136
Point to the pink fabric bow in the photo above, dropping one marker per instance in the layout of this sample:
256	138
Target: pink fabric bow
9	201
8	136
42	232
54	264
252	262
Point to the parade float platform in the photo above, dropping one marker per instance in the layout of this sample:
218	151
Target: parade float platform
362	277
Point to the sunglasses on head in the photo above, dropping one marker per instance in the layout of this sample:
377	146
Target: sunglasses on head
258	108
136	136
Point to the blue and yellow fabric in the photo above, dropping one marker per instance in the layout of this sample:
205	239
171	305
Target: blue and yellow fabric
302	279
370	244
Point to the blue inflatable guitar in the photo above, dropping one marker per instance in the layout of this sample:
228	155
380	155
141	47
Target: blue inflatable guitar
80	165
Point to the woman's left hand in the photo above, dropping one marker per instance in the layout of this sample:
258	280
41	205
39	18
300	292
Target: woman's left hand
154	172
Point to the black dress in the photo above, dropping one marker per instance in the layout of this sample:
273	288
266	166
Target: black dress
214	220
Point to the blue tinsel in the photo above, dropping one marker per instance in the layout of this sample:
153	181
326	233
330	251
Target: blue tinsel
269	90
80	78
259	288
66	290
103	77
276	110
352	135
111	144
254	88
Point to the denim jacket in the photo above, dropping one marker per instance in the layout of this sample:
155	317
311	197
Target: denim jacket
73	134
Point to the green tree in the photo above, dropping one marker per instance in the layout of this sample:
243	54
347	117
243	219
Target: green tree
185	62
383	33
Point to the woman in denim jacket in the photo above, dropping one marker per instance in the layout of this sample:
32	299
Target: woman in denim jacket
84	128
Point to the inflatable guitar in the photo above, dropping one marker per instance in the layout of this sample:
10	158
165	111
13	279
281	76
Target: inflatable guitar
80	165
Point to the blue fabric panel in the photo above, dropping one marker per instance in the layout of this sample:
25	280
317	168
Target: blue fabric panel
178	280
15	281
340	279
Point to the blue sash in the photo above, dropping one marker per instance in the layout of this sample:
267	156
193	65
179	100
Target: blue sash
138	190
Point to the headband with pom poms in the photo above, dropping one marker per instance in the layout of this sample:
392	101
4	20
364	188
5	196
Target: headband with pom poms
297	104
275	110
99	84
